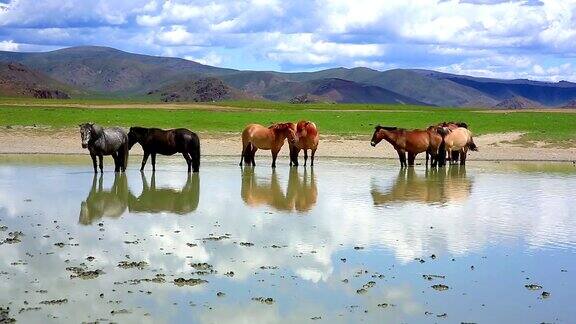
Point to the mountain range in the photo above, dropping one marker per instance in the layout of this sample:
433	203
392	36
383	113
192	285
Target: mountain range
93	70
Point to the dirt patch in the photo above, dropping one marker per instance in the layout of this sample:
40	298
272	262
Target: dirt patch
492	147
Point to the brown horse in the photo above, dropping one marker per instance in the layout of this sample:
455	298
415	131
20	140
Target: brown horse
457	140
306	139
272	138
408	141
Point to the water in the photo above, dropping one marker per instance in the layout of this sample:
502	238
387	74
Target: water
346	242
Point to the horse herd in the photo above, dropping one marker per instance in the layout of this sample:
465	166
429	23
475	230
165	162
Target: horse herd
445	141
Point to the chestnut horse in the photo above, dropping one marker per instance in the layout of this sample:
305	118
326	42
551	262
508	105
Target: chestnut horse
408	141
306	139
272	138
457	140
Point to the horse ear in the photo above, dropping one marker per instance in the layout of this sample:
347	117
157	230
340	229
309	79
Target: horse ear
91	123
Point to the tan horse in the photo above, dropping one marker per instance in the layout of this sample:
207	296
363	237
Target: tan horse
459	140
456	154
408	141
271	138
306	139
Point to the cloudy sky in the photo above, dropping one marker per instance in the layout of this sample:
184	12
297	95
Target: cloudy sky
497	38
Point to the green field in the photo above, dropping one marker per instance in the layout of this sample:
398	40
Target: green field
557	128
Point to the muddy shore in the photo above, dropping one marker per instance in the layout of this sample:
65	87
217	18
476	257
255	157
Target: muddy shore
495	147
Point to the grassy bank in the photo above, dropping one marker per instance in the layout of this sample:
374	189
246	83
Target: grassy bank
347	120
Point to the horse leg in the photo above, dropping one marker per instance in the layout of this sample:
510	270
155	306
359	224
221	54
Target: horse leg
153	161
188	160
463	154
312	157
427	155
274	156
411	157
305	156
253	155
94	164
100	158
402	157
144	160
115	157
294	155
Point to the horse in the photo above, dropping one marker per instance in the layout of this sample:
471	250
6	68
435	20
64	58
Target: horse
433	151
105	141
450	125
256	136
156	200
306	139
407	141
105	203
166	142
458	139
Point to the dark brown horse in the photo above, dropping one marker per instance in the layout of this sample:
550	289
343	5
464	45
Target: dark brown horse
167	142
408	141
271	138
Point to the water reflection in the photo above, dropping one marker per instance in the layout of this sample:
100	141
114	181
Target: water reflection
301	193
156	200
433	186
105	203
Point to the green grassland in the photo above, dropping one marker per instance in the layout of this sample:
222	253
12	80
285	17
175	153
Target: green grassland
558	128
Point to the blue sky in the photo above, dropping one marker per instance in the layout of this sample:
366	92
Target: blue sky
494	38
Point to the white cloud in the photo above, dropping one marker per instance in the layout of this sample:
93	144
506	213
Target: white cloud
209	59
303	35
8	46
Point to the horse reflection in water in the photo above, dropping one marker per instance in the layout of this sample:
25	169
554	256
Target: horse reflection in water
301	193
434	186
113	202
105	203
157	200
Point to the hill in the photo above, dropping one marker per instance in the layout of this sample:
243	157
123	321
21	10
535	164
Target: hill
111	72
200	90
18	80
517	102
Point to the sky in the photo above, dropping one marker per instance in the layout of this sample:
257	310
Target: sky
533	39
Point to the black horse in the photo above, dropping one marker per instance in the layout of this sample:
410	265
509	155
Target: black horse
166	142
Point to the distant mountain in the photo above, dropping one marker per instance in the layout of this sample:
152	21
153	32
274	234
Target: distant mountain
544	93
108	71
337	90
517	102
18	80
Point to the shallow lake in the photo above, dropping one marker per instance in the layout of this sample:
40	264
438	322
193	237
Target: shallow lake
347	241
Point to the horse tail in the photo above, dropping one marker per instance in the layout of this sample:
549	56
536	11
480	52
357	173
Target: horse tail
247	153
126	153
472	146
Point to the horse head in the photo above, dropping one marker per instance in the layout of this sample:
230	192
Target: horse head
379	133
287	130
86	133
136	135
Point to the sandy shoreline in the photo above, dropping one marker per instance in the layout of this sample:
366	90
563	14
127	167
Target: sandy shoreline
493	147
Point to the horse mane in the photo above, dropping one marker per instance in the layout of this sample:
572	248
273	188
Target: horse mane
280	126
388	128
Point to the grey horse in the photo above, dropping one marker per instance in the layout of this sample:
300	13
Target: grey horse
105	141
